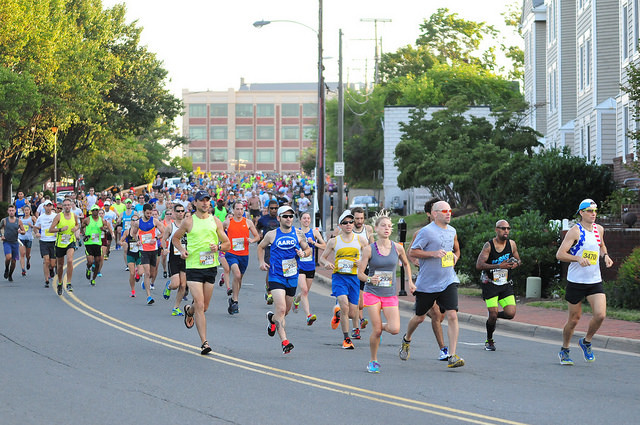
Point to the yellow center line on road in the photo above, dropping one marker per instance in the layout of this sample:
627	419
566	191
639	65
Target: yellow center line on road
461	415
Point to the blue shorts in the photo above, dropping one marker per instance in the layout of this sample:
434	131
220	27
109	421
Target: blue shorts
12	248
346	284
241	260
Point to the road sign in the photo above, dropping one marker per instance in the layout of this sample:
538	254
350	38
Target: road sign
338	169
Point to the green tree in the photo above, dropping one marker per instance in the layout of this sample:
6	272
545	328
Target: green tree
406	61
182	163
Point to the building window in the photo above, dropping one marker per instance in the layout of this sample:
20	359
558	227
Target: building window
218	132
290	155
265	132
244	132
290	110
625	31
218	155
309	132
244	110
310	110
588	143
587	60
197	155
581	68
197	132
290	133
244	155
197	110
265	155
265	110
625	128
218	109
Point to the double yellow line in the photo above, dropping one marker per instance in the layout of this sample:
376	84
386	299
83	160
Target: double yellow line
461	415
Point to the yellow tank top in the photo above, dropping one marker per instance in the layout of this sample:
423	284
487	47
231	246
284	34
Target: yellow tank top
66	237
347	253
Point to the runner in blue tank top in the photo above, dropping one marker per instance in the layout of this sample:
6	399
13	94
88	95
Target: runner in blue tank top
287	244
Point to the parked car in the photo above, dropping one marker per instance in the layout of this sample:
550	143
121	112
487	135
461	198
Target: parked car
172	183
367	202
62	194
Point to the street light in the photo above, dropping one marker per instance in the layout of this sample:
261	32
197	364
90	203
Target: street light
54	130
320	154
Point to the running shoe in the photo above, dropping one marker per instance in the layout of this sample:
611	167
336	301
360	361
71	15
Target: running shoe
271	327
373	367
564	357
126	269
133	294
152	286
269	299
286	346
363	323
87	274
46	283
69	287
167	292
99	275
455	361
296	303
310	319
204	348
489	345
28	264
164	274
229	292
586	350
150	300
176	312
60	289
221	279
335	319
355	333
347	344
24	272
142	284
93	282
444	354
52	272
404	349
234	307
10	278
230	308
6	273
137	276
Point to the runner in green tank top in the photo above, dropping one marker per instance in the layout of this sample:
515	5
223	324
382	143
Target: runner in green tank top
64	225
92	228
205	238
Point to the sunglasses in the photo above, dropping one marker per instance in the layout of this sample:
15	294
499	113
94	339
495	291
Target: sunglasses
446	211
344	223
591	210
503	227
179	211
287	216
273	208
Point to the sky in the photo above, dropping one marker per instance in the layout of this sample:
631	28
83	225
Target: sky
212	44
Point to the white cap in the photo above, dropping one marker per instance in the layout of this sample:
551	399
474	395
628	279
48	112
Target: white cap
283	209
345	214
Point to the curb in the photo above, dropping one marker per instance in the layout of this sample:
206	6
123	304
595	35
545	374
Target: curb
535	331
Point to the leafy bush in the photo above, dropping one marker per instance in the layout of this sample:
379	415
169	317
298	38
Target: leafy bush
613	205
537	244
625	292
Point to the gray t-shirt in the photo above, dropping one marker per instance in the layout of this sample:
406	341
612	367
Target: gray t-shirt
435	273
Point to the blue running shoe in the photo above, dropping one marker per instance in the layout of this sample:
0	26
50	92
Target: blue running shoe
586	350
99	274
150	300
373	367
444	354
564	357
167	292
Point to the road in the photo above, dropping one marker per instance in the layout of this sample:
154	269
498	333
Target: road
96	356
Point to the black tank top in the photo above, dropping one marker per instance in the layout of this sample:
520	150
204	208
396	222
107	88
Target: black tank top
496	257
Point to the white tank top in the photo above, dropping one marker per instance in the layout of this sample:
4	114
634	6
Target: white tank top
588	246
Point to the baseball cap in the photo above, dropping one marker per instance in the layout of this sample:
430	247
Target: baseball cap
283	209
345	214
47	202
127	201
202	194
586	203
94	207
107	203
118	197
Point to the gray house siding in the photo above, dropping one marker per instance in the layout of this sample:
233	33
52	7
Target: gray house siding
607	56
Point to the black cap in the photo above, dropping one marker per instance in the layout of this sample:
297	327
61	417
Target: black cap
202	194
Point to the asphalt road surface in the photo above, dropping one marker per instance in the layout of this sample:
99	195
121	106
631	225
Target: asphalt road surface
96	356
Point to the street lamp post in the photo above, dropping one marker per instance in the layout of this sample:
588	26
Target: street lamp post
55	163
320	154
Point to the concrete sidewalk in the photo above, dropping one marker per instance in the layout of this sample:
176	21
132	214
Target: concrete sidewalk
536	322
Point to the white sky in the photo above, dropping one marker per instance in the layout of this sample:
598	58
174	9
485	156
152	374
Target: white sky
211	44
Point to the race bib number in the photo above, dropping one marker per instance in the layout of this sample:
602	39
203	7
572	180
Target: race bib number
26	227
386	278
95	237
345	266
48	233
146	238
176	251
237	244
500	276
289	267
447	260
65	238
206	258
133	247
592	256
127	224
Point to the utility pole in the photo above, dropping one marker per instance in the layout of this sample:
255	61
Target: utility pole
340	124
376	78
